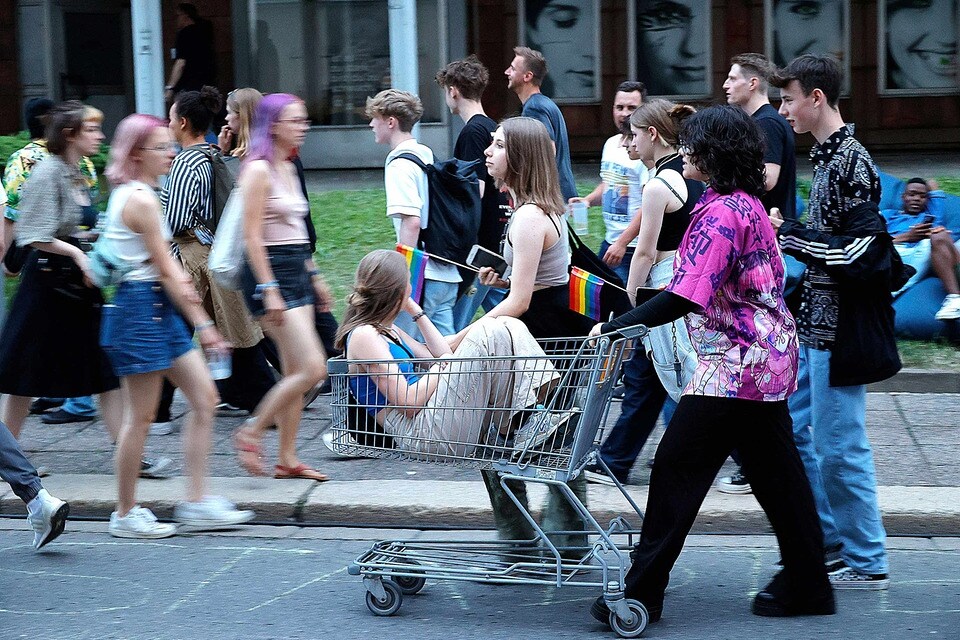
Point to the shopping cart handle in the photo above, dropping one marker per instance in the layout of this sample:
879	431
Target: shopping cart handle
636	331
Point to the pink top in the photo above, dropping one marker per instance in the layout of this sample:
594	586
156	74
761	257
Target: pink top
283	217
729	264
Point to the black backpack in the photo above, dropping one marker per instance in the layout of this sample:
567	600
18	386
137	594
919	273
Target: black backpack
224	179
454	219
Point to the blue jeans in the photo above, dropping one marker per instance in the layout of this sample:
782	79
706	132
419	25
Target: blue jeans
829	427
644	398
15	469
480	295
437	302
622	269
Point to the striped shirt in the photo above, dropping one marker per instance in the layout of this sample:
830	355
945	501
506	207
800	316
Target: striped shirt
187	197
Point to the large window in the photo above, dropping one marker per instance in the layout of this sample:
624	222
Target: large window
672	46
335	53
567	33
918	46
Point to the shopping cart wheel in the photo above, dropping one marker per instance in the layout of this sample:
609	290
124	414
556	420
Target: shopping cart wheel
391	601
409	585
635	625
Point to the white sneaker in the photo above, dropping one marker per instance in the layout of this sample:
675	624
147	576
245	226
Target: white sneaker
163	428
155	468
848	578
736	484
47	515
139	523
950	310
539	427
213	512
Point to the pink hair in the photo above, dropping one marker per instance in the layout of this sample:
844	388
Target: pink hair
131	134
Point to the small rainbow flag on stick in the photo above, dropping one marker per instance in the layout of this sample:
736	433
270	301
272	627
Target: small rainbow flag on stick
417	263
585	293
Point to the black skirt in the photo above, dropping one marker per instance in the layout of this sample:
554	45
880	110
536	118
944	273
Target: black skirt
50	344
550	316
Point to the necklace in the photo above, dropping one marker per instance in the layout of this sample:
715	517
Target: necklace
664	160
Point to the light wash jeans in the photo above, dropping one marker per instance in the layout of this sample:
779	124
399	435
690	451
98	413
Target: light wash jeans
80	406
437	302
829	427
479	295
15	469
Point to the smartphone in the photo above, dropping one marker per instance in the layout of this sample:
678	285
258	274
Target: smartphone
480	257
928	219
646	293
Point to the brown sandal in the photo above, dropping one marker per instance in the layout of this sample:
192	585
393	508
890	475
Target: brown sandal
302	471
249	452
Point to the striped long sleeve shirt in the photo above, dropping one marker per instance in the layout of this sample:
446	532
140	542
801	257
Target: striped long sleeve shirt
187	197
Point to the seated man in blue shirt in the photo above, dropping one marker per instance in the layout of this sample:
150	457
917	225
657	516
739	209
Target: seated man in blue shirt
924	243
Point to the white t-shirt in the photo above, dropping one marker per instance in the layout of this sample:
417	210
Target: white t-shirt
408	195
624	179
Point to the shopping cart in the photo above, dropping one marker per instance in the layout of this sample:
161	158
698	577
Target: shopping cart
548	442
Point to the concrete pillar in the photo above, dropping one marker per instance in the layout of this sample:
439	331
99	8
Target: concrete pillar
404	63
148	57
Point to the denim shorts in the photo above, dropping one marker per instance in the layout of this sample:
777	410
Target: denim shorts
142	331
288	263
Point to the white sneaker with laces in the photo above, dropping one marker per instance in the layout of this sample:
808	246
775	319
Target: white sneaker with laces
848	578
950	310
735	484
139	523
47	515
212	512
539	427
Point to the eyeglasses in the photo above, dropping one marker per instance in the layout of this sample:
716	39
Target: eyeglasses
160	147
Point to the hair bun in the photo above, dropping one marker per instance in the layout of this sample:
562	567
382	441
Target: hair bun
681	112
211	99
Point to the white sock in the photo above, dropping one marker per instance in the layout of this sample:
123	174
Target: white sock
35	506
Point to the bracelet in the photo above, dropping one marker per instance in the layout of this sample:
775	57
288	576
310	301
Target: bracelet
419	315
204	325
260	288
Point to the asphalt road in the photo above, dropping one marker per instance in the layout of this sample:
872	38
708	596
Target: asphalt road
287	582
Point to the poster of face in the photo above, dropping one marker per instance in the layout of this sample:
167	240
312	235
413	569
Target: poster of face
567	33
918	46
673	46
796	27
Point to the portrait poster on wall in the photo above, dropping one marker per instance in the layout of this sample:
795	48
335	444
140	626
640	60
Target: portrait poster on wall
796	27
567	33
671	46
917	46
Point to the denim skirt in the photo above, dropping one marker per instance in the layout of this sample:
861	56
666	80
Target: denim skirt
142	331
288	263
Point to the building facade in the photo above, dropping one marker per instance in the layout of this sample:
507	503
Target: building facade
903	89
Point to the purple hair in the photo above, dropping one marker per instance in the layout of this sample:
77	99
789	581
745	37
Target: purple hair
131	134
265	116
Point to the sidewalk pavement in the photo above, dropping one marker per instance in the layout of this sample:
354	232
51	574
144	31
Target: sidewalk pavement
915	437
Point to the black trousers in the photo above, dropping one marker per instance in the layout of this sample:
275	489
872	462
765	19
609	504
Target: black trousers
702	433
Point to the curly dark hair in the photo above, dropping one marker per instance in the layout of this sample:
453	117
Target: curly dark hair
725	144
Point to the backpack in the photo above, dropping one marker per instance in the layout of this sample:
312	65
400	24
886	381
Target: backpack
454	218
224	179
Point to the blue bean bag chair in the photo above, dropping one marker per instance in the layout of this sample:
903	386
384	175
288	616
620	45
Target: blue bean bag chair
916	307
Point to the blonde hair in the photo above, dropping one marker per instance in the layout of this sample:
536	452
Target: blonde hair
379	289
402	105
244	102
92	114
531	164
664	116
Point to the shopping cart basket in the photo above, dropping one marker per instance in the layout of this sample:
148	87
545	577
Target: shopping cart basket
548	440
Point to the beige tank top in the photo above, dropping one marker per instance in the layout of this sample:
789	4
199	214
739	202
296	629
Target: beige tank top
283	217
554	267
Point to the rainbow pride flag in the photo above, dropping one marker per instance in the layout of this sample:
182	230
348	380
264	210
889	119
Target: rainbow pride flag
417	263
585	293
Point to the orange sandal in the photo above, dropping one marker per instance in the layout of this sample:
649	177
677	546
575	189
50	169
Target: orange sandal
301	471
249	452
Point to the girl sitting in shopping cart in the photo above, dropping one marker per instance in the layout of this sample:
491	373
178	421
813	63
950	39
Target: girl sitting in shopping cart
467	388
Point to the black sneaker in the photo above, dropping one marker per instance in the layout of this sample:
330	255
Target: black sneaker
735	484
601	612
595	473
768	605
155	468
42	405
62	416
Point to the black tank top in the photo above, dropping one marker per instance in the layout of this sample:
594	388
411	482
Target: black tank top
675	223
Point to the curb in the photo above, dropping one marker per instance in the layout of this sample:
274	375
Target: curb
919	381
924	511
